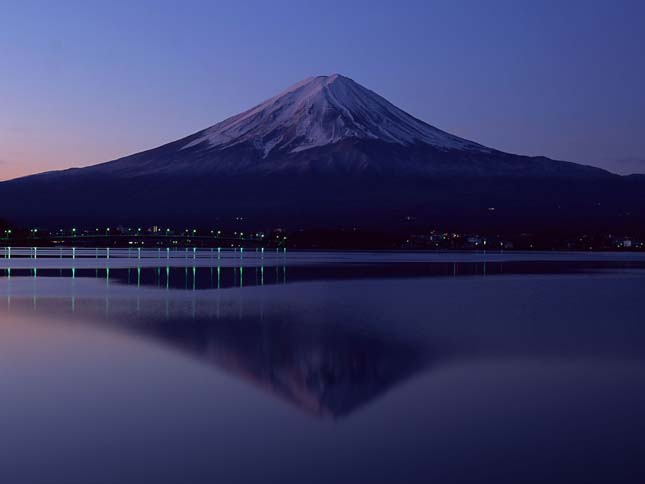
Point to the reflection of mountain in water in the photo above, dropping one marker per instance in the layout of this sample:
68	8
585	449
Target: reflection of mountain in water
325	370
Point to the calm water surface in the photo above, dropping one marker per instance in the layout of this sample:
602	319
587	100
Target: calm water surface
351	370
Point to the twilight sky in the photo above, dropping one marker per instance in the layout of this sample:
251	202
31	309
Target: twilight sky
83	82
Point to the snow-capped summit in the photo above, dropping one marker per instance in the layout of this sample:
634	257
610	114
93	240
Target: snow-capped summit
323	110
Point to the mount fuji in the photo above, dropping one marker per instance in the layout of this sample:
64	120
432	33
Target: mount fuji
328	151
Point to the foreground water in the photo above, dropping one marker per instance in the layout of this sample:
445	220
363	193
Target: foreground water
327	368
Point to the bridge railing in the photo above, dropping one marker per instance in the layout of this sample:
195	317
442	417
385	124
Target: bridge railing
134	253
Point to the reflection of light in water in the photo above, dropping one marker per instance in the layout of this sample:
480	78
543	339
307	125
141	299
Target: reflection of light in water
107	284
33	289
73	289
8	289
203	277
138	287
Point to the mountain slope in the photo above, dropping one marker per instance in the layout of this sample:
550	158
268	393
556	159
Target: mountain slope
330	124
327	151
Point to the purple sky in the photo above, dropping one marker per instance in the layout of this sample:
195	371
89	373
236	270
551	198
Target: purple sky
83	82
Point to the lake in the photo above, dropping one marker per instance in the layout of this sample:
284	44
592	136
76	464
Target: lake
307	367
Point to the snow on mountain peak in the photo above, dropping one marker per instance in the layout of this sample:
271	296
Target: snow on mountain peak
322	110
